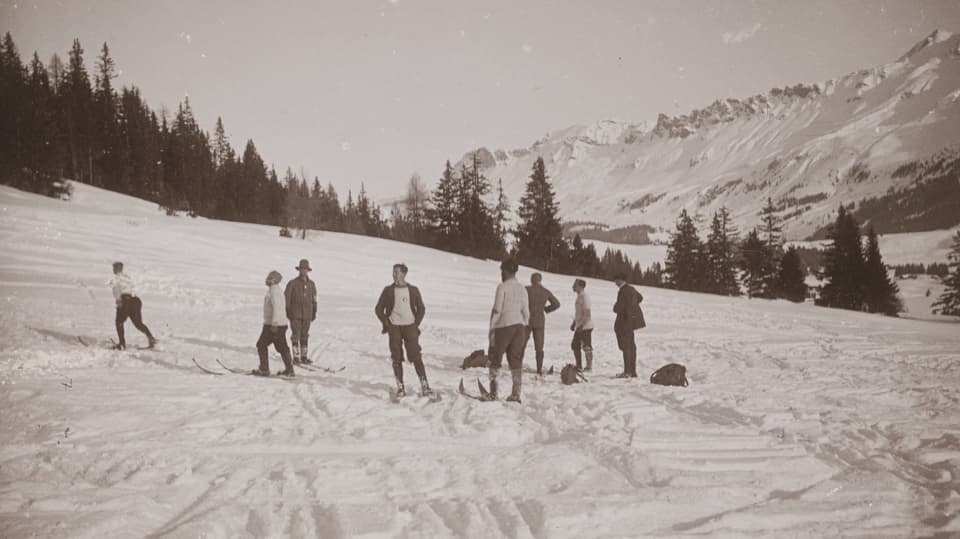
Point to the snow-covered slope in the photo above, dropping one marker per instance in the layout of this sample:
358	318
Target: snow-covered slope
799	421
809	147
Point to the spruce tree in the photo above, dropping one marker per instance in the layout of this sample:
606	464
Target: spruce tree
753	263
949	302
721	271
106	141
444	209
684	261
791	277
844	264
773	243
539	234
78	106
880	292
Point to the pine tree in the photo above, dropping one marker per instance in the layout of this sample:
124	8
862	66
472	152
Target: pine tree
844	265
880	292
539	234
444	210
78	105
773	244
949	302
684	261
791	283
105	142
13	106
753	254
500	215
721	271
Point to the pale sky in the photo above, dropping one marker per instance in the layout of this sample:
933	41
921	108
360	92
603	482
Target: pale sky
373	91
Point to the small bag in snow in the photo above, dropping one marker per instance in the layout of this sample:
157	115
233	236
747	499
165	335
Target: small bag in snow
477	358
672	374
569	374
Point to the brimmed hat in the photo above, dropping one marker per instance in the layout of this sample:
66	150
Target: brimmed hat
304	264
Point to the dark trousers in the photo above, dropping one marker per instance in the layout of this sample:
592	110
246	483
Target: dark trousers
537	345
581	341
628	345
510	340
405	337
130	307
277	336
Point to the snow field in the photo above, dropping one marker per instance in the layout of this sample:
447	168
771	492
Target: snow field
799	421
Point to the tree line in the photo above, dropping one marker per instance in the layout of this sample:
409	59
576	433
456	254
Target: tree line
56	123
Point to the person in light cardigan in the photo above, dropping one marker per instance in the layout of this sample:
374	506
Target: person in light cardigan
274	327
128	306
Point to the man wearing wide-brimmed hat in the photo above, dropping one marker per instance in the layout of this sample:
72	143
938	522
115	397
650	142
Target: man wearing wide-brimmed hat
301	296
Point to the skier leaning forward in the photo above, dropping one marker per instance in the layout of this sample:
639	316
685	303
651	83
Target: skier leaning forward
128	306
400	310
301	298
508	321
274	328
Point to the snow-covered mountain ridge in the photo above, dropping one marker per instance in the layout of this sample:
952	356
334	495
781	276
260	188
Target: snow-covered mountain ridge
809	147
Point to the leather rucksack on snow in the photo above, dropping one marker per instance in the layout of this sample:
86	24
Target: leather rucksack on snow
477	358
672	374
570	375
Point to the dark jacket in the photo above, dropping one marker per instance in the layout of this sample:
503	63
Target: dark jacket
301	297
385	305
627	307
538	297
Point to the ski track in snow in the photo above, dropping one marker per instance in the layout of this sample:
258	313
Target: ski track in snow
799	421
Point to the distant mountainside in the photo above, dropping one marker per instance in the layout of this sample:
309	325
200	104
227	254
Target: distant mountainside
885	140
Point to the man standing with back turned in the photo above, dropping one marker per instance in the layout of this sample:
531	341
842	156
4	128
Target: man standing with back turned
508	321
629	319
539	297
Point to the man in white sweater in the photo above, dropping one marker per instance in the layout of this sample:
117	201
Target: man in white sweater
128	306
508	322
582	326
274	327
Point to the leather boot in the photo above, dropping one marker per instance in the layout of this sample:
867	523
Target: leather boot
493	383
295	351
517	377
305	353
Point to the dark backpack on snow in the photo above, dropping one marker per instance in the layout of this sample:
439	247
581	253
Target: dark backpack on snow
569	374
672	374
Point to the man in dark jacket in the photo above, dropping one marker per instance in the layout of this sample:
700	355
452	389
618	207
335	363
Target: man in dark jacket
301	298
400	310
629	319
539	297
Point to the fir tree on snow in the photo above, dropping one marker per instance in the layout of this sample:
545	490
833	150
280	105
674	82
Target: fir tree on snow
753	254
844	266
721	270
539	233
791	277
444	209
773	247
684	261
880	292
949	302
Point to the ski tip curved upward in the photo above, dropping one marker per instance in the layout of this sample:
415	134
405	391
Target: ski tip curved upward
462	389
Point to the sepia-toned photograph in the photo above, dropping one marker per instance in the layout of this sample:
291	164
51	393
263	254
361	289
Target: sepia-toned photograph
480	269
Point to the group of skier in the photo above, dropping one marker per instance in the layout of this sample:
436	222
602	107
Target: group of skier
518	314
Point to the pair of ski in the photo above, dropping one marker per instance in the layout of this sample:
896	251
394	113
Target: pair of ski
318	368
484	395
235	370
